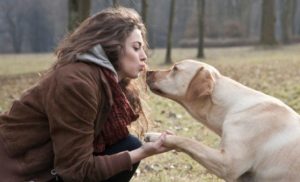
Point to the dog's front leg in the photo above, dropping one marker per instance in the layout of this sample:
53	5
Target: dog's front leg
214	160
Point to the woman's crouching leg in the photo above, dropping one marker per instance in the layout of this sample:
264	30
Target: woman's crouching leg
129	143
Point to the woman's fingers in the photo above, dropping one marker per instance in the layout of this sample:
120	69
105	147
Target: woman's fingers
157	141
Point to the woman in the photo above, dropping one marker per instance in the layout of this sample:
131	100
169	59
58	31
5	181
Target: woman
72	125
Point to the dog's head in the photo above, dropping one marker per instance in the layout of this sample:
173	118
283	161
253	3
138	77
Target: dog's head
185	81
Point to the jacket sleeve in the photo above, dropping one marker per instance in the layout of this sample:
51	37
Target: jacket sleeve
72	105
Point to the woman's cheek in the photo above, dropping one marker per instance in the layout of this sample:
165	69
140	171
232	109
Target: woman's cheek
131	69
134	65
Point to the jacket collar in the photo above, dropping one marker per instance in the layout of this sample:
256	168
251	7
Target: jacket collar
97	55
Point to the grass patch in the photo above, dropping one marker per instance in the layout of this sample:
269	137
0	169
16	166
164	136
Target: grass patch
12	64
273	71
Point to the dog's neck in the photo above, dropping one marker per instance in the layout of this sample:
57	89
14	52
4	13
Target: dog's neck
231	97
200	109
235	97
228	97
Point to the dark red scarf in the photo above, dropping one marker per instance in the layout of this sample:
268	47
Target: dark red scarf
121	114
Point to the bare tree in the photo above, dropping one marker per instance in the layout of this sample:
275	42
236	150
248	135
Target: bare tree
40	29
144	11
287	20
115	3
78	11
295	20
14	17
201	17
245	15
168	59
267	36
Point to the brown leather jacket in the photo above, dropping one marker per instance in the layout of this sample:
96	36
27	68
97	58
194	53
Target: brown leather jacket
53	125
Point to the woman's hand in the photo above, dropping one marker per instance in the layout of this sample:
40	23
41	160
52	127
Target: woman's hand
149	149
152	148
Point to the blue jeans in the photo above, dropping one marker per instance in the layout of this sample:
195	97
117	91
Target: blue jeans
129	143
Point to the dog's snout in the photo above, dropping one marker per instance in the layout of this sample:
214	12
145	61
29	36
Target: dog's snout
149	76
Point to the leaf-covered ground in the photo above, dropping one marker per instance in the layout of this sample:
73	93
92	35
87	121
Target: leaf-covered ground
274	71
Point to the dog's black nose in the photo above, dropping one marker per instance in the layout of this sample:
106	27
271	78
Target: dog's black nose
149	73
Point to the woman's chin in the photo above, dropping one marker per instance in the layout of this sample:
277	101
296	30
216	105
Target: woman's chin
134	76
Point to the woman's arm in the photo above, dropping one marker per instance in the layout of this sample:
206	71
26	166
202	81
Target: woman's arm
71	105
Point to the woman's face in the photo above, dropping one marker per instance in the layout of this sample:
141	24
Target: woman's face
133	60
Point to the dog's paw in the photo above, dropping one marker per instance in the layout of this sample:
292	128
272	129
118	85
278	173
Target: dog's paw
151	137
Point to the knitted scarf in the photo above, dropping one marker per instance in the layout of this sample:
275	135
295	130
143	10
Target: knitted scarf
121	114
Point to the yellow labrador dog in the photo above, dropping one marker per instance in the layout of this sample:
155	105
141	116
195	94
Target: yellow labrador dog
260	135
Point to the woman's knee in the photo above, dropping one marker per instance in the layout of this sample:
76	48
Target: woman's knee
129	143
133	142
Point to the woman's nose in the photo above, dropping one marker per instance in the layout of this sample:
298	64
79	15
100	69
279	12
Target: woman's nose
143	56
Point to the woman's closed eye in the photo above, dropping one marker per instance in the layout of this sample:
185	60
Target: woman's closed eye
136	48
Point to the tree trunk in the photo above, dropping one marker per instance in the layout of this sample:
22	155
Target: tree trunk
245	16
267	36
14	32
79	10
17	38
12	21
201	18
294	11
144	11
84	9
287	20
116	3
168	59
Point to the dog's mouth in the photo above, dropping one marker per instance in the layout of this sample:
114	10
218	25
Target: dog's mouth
154	89
150	84
157	91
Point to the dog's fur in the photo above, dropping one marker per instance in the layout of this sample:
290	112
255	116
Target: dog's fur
260	135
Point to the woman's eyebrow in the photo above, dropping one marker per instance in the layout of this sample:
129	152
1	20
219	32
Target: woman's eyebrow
140	44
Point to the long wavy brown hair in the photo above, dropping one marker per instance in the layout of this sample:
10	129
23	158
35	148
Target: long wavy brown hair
109	28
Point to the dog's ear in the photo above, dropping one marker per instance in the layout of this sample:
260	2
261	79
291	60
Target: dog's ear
201	85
